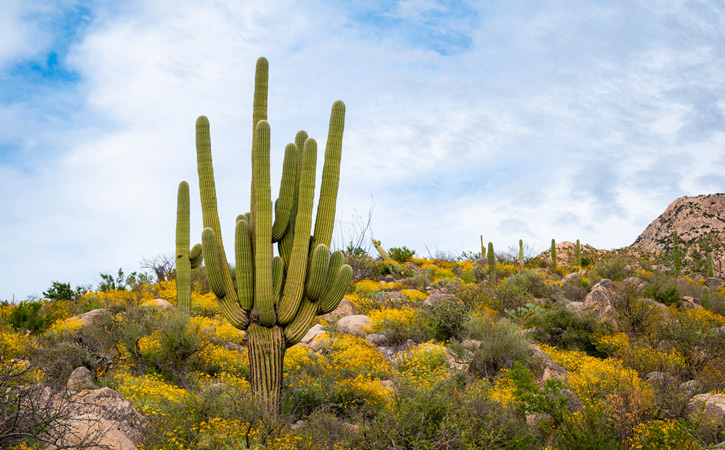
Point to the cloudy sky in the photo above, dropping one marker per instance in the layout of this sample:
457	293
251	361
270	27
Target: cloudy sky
526	119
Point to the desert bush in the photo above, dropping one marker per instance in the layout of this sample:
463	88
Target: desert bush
401	254
447	318
637	316
531	282
662	288
399	325
563	328
59	360
25	316
500	345
614	269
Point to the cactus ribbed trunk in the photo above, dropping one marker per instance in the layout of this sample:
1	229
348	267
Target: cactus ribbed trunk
578	253
266	347
521	254
553	252
183	264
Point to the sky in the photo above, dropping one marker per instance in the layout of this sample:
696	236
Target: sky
518	119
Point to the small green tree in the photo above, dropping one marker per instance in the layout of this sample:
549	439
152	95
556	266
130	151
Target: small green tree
60	291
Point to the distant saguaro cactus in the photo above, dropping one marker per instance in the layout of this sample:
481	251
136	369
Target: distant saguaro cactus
578	254
705	297
383	253
491	263
275	299
553	252
676	252
710	270
521	253
185	259
483	248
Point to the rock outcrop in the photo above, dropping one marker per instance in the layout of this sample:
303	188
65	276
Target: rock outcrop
694	218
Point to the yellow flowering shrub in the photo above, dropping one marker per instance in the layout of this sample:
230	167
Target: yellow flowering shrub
363	390
424	365
149	394
414	295
219	359
398	324
63	328
661	435
14	344
365	288
351	356
167	290
218	327
706	318
503	389
204	304
639	355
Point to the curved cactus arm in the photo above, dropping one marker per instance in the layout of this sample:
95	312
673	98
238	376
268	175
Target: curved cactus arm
317	273
283	205
337	259
332	298
228	303
213	264
297	270
325	219
262	233
285	244
277	277
296	330
196	255
243	265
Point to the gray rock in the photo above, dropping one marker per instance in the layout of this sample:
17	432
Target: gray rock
658	378
600	300
575	307
90	316
483	262
379	340
310	339
633	282
354	324
714	282
712	406
109	409
80	379
691	387
551	369
160	304
344	309
434	299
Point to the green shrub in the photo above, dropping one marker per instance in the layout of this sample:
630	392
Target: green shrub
667	294
531	282
565	329
614	269
511	295
25	317
401	254
447	318
501	344
59	360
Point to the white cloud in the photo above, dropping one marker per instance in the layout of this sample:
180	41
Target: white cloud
554	123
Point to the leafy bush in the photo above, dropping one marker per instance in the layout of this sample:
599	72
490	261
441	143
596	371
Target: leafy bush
58	361
499	346
401	254
25	317
531	282
565	329
614	269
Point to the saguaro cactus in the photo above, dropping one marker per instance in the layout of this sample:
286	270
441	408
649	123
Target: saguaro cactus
578	254
275	299
483	248
553	252
383	253
676	250
491	263
521	253
185	259
710	270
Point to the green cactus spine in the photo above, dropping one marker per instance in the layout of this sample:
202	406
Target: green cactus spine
521	254
276	299
709	266
676	252
553	252
185	259
491	263
578	254
705	297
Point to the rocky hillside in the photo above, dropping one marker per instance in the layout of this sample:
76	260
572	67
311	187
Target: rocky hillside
700	224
